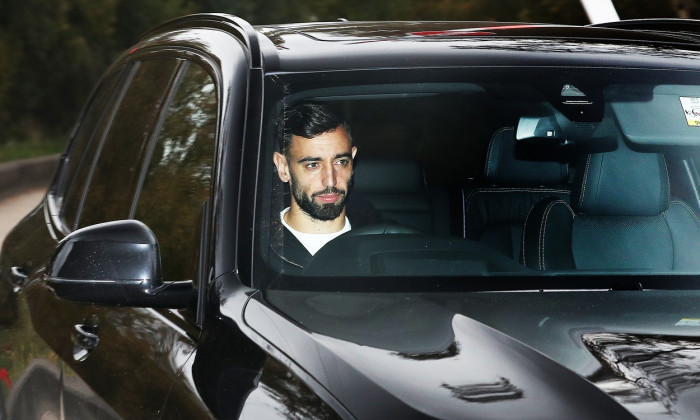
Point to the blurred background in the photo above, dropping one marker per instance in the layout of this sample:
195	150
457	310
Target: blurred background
53	51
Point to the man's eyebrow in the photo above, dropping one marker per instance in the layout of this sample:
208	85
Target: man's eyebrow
316	159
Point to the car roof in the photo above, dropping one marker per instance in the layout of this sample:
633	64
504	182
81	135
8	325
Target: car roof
344	45
343	30
358	45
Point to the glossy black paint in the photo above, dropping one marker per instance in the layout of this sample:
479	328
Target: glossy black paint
114	263
316	47
230	349
371	343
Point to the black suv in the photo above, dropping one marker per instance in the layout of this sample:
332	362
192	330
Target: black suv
534	252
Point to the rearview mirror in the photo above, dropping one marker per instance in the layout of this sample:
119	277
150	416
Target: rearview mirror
114	263
538	127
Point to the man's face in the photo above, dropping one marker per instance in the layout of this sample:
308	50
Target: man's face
319	171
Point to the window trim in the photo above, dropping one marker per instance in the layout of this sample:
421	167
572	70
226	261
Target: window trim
59	187
175	83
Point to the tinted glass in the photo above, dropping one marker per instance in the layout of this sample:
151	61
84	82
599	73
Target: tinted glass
178	178
83	148
116	172
472	173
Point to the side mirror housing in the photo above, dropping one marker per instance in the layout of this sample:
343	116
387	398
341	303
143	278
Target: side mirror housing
114	263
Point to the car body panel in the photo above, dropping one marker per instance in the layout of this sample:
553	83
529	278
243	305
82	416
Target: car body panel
443	377
369	332
338	46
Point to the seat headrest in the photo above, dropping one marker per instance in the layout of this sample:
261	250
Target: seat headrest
377	175
621	183
503	168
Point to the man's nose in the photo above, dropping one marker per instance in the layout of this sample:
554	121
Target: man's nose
329	176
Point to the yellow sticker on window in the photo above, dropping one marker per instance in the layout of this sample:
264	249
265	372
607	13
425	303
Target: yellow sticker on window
691	107
688	322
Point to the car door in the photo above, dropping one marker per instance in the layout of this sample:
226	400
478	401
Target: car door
112	170
31	371
153	162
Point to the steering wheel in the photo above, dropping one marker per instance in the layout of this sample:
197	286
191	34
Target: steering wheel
383	229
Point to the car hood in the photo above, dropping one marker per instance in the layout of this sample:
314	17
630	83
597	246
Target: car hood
493	355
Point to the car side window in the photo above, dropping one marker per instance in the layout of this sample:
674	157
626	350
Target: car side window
85	142
116	171
178	179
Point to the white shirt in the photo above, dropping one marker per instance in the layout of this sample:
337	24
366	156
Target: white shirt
314	241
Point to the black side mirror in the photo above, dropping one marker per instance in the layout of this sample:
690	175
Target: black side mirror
114	263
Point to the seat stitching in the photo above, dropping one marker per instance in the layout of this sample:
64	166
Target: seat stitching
491	147
585	180
692	214
668	179
543	232
687	207
488	155
522	246
673	243
529	213
543	229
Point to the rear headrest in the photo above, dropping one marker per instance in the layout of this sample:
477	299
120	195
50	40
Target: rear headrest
377	175
621	183
503	168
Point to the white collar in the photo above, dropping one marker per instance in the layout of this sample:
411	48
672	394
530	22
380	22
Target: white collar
314	241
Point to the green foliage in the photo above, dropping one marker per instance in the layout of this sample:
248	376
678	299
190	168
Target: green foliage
53	51
15	150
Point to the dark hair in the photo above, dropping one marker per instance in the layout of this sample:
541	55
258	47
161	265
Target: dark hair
308	119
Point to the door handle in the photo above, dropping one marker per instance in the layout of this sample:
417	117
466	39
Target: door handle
18	277
85	338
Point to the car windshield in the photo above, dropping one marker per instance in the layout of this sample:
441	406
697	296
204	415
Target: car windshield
488	174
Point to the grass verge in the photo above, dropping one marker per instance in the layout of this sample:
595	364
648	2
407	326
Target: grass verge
28	149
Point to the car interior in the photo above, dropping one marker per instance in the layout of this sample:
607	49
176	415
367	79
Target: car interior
594	173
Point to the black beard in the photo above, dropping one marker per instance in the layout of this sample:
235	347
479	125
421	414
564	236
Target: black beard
324	212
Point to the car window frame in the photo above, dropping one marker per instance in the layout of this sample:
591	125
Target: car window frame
59	186
195	313
129	66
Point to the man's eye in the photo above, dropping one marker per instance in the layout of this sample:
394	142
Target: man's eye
312	165
343	162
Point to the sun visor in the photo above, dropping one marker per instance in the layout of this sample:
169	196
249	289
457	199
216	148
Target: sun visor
661	115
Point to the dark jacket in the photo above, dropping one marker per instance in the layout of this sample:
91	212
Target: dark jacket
289	256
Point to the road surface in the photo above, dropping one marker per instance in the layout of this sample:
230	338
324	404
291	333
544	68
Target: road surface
14	208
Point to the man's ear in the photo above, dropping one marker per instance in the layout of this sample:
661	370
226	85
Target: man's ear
282	166
354	151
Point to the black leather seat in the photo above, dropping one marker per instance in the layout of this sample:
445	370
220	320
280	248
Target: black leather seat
494	215
398	191
621	217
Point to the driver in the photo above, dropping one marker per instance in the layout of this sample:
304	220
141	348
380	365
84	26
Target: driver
316	162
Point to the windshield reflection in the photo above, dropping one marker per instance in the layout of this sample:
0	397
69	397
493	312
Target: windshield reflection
488	392
647	368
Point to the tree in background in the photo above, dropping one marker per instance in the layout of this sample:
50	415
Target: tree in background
53	51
